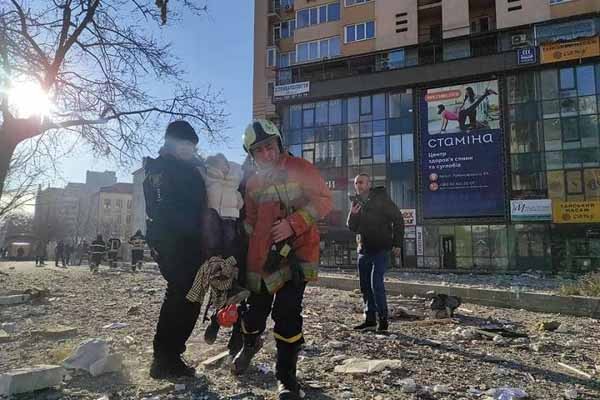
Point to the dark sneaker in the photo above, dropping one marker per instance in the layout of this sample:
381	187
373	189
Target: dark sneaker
163	368
383	325
242	360
212	330
366	326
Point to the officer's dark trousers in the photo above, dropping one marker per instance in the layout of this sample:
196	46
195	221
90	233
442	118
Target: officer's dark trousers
176	322
285	307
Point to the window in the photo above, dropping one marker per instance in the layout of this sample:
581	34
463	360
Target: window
287	59
325	48
284	30
401	148
355	2
119	203
272	57
318	15
129	203
106	203
358	32
128	219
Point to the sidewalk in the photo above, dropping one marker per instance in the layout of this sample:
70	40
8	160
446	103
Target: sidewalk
529	282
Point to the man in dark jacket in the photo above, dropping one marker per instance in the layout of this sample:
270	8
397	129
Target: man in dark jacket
179	236
380	226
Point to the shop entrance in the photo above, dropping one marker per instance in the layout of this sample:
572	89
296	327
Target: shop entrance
448	252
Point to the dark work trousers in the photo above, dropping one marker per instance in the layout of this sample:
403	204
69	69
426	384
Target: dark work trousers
371	269
176	322
285	307
137	255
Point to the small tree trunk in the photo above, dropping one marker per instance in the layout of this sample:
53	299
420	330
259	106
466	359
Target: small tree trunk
7	149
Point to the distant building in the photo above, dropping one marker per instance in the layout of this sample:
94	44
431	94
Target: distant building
112	211
96	179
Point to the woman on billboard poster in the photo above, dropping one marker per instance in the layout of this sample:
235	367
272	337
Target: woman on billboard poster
468	109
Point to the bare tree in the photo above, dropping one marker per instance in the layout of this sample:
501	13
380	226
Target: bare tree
96	59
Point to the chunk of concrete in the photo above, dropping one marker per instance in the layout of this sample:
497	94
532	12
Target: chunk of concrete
9	327
110	363
4	337
55	332
88	353
14	299
362	366
26	380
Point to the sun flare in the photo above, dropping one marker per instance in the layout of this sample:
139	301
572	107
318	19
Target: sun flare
27	99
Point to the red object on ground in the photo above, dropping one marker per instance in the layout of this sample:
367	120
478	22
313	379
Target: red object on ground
227	316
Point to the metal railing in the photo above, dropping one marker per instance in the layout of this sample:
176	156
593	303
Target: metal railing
423	54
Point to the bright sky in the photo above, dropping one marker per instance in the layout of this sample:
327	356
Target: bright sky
216	50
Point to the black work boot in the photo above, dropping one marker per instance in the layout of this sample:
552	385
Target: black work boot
285	371
212	330
383	325
241	362
369	325
171	366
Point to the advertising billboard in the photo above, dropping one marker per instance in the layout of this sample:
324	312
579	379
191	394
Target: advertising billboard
462	171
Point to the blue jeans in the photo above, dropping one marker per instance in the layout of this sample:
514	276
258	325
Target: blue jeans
371	268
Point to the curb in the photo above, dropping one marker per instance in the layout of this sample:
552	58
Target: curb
579	306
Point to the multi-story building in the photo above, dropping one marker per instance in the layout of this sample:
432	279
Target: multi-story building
481	117
66	213
113	211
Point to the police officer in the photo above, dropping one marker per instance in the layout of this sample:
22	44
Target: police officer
284	200
178	235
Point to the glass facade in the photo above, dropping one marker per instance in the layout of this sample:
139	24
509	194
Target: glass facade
552	131
346	136
553	125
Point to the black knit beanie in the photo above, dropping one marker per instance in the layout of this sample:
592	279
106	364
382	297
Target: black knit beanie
181	130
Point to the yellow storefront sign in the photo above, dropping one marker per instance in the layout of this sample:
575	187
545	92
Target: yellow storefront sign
572	50
575	212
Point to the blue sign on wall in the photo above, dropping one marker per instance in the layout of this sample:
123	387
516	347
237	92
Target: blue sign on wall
526	55
461	152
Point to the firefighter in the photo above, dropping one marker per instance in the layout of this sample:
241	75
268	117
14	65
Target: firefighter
97	250
137	242
114	245
284	200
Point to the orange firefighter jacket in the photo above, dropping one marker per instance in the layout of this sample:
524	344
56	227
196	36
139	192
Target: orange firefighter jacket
293	190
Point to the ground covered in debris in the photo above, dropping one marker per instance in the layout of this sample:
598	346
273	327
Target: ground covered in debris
463	358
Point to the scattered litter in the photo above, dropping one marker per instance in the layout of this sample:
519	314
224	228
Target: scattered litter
507	393
116	325
549	326
575	370
363	366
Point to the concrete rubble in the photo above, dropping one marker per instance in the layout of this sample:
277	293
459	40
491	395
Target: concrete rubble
25	380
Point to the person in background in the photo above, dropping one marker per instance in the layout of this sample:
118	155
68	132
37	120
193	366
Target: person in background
138	243
380	228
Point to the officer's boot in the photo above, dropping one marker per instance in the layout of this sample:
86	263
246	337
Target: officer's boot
285	371
252	344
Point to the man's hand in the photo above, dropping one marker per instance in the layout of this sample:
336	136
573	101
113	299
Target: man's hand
396	251
281	230
355	208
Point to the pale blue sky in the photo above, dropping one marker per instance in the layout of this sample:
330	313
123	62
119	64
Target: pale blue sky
214	49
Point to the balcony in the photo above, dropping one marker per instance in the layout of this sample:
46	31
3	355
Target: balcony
478	45
280	8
